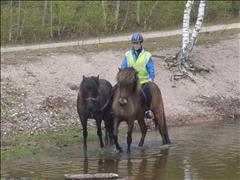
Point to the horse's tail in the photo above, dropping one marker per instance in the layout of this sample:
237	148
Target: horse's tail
166	136
164	130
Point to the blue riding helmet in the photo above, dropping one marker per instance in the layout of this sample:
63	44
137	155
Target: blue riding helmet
137	37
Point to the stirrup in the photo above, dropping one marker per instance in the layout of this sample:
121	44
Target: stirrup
149	114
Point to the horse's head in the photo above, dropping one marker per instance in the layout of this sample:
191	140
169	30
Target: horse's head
89	88
128	83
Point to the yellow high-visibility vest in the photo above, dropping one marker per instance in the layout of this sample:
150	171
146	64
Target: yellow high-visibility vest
140	64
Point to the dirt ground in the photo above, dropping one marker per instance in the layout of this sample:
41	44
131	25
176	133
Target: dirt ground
39	95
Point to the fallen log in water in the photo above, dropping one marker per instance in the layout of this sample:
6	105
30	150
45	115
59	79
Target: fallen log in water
91	176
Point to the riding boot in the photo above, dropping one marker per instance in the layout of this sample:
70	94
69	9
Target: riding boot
147	100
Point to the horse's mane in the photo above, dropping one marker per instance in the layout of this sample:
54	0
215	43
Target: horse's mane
128	78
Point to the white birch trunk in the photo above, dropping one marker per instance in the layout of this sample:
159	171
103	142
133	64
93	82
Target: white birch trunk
187	43
198	24
186	20
117	14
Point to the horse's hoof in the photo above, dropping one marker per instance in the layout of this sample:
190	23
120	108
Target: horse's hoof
119	150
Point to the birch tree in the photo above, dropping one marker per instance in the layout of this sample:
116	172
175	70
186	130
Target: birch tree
188	43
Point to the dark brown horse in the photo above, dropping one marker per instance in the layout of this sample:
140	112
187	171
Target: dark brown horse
94	102
128	105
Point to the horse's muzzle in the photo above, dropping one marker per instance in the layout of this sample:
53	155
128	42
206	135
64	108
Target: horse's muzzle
122	101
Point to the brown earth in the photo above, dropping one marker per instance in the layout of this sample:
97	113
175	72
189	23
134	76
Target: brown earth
38	93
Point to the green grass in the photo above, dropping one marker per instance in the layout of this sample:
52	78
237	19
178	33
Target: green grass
15	146
18	146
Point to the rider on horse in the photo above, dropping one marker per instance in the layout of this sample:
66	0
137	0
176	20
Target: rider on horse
141	61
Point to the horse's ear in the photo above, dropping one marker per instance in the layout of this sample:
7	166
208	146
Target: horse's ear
84	77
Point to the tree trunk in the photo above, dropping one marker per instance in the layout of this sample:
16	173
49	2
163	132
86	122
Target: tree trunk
126	17
22	25
18	20
150	14
235	8
187	44
51	20
104	16
10	22
44	13
59	21
138	12
198	24
186	20
117	14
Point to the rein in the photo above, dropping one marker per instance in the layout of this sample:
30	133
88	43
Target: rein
96	100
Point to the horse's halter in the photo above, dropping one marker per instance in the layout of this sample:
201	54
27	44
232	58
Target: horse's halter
95	100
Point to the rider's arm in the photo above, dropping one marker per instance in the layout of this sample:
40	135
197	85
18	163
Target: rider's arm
150	69
124	63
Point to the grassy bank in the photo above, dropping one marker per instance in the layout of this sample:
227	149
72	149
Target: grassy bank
18	146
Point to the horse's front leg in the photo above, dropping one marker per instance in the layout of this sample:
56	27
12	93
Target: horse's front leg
85	132
129	135
99	131
115	134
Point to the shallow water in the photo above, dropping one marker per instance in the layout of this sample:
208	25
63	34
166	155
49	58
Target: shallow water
203	151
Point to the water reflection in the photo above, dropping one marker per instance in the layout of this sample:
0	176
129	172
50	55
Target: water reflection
193	157
144	165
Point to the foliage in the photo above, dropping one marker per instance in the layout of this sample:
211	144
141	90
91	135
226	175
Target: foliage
28	22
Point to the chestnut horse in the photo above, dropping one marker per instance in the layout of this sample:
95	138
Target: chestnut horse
128	105
94	101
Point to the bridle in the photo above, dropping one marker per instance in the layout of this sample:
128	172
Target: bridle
96	99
